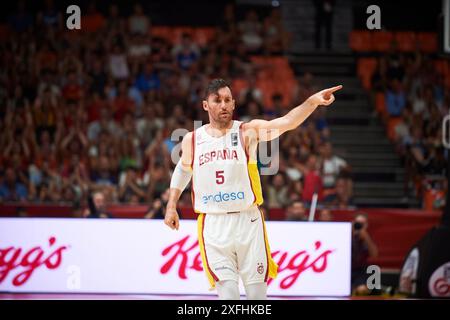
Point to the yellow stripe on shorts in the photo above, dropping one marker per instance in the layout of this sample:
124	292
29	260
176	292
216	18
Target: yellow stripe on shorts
212	278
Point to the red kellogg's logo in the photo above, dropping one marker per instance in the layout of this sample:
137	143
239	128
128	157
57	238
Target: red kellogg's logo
290	267
299	263
183	253
12	258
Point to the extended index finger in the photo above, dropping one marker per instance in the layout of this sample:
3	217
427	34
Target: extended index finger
333	89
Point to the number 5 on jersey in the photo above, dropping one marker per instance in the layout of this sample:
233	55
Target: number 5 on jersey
220	179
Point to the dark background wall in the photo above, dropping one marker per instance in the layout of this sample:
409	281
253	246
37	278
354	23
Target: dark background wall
400	15
395	15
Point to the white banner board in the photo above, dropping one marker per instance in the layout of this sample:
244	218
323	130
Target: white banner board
145	256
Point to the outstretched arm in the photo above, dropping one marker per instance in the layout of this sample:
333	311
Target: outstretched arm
180	178
269	130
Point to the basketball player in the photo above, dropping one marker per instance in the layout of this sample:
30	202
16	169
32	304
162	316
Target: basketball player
220	157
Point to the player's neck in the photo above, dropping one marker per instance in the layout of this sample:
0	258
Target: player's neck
217	129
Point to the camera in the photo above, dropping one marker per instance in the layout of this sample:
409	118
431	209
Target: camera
358	225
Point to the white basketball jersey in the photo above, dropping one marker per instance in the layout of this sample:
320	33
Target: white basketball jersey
223	179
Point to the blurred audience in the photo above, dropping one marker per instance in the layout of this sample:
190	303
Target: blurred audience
415	102
95	109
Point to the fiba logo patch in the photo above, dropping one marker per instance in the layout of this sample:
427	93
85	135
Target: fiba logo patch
260	268
234	139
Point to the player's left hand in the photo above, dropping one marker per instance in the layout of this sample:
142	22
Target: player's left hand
325	97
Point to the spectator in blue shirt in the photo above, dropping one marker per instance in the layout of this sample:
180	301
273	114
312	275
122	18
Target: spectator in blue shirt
395	99
11	189
186	53
148	79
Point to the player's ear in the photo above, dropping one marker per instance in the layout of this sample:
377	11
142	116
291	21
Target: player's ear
205	105
234	104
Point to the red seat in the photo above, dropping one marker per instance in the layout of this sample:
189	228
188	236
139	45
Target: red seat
203	35
238	85
382	40
391	125
279	62
427	41
380	103
162	32
406	41
365	69
441	66
361	41
178	32
92	22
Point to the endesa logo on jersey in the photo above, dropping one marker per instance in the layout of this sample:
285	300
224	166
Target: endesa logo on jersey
223	197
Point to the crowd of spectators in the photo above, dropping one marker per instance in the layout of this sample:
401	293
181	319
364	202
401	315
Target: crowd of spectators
414	101
89	111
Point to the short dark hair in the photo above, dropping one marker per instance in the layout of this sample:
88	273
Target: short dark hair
214	86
